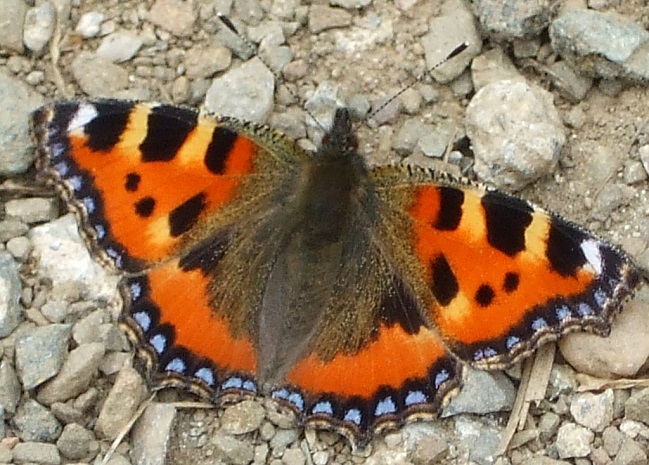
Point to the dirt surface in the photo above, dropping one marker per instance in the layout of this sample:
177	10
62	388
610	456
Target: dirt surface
612	130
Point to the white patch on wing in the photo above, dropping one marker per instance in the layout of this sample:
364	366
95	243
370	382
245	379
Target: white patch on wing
593	254
85	114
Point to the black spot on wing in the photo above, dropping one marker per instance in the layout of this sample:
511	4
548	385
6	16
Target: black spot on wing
206	255
450	209
564	248
168	127
400	307
507	219
512	280
485	295
217	152
184	216
444	286
105	131
144	207
132	182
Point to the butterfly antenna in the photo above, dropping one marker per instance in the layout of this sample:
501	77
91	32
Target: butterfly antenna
455	52
255	52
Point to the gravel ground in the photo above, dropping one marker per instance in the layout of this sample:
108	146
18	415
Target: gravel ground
566	82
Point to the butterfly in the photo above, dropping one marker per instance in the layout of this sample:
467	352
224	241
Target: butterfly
353	295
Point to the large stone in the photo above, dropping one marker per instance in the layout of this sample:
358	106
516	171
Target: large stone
75	375
40	353
121	404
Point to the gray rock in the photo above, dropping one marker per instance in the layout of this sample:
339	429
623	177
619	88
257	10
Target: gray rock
601	44
454	26
243	417
622	353
19	247
75	375
89	24
269	31
275	56
250	11
526	48
39	26
480	440
119	46
32	210
612	439
233	450
435	143
594	411
321	457
175	16
68	265
290	123
631	453
12	20
284	9
462	86
634	172
5	454
87	400
409	134
514	144
610	198
97	76
323	17
18	101
66	413
114	361
205	61
282	439
122	402
293	456
573	441
34	422
9	388
12	228
351	4
118	459
321	106
572	86
77	443
548	425
492	66
40	353
151	433
483	392
429	449
511	19
36	452
541	460
637	406
10	290
634	429
245	92
643	151
181	90
88	328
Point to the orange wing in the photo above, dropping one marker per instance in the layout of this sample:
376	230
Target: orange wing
151	184
145	179
505	276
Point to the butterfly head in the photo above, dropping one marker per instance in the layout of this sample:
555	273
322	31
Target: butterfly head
340	141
